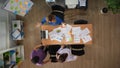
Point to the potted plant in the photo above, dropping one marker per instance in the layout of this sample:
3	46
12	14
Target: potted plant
15	25
113	5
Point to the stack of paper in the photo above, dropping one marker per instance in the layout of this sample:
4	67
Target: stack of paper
59	33
86	38
68	37
78	34
76	30
81	34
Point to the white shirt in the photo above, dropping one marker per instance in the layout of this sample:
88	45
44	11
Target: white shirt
70	57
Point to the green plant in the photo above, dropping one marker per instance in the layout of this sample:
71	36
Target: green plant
15	25
113	5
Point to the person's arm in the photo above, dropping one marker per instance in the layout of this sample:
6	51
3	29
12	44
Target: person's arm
42	22
38	24
37	47
62	46
44	62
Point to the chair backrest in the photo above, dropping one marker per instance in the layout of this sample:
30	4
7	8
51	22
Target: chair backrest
77	49
52	49
58	8
58	14
81	21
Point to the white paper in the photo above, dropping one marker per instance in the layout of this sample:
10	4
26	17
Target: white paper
85	31
77	38
16	34
58	31
76	30
68	27
58	38
68	37
52	35
82	2
86	38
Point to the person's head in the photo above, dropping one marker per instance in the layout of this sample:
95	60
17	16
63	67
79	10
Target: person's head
61	57
35	59
51	17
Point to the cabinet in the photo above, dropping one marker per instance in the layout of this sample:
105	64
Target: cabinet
12	57
17	30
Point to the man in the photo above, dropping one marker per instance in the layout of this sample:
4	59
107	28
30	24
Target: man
52	20
56	17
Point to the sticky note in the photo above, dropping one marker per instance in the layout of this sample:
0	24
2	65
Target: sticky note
11	1
11	7
20	3
16	0
26	2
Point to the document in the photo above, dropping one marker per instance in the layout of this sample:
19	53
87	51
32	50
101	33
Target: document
68	27
58	31
52	35
85	31
76	30
68	37
16	34
86	38
58	38
76	38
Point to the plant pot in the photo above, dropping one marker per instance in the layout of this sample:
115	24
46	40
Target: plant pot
104	10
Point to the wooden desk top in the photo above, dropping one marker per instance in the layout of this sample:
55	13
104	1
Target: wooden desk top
54	42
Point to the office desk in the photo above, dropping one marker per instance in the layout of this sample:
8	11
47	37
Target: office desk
54	42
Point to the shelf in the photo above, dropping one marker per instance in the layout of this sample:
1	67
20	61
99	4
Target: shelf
13	56
17	30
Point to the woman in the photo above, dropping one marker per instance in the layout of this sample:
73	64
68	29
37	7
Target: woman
38	55
65	55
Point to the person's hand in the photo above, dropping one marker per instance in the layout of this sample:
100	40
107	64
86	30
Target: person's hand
44	62
38	24
62	46
63	25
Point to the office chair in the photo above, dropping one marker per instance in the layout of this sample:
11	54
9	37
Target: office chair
80	22
58	8
78	50
58	11
52	49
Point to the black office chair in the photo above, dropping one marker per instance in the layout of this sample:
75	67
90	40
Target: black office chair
78	49
80	22
52	49
58	8
58	11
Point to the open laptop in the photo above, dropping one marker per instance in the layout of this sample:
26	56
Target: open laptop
44	34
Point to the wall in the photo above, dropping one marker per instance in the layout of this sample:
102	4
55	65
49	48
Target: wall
5	27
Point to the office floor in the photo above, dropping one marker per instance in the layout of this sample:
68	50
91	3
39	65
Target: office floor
104	53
